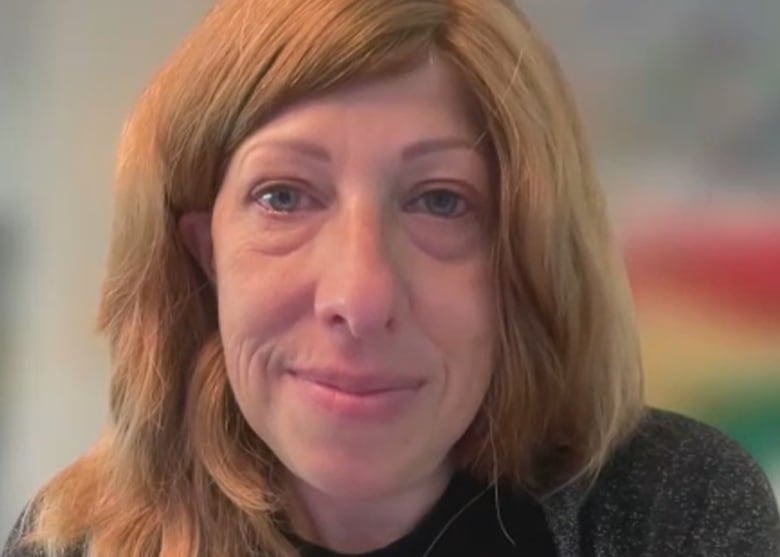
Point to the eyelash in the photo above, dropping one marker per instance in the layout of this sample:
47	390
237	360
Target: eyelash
460	201
276	187
273	187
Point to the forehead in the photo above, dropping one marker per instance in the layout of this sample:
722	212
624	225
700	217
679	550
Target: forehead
429	96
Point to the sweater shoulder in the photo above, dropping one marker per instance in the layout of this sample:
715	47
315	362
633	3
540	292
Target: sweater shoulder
667	443
15	545
680	487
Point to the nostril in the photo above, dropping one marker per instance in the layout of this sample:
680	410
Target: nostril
337	319
357	325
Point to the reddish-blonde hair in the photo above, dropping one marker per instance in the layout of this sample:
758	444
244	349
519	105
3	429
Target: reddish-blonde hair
178	471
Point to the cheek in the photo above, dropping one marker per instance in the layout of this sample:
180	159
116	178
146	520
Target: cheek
455	313
257	302
255	290
455	304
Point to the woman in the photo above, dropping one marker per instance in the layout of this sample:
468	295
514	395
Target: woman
314	354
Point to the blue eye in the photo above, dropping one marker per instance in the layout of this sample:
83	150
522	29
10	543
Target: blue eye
440	203
279	198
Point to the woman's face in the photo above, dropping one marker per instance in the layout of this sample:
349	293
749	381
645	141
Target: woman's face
350	264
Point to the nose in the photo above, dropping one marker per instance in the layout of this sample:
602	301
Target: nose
359	290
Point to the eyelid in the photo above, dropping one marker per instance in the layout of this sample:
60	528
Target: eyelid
261	184
466	191
445	182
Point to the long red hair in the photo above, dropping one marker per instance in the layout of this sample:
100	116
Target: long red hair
178	471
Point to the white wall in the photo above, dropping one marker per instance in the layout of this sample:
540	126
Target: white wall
69	73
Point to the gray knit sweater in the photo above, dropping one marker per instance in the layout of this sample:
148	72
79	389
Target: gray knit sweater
678	488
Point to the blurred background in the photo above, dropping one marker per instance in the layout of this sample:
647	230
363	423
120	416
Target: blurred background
681	99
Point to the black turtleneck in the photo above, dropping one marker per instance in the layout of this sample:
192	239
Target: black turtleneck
464	522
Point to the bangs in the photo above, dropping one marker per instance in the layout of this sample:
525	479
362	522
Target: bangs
262	63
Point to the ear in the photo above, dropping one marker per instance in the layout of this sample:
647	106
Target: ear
195	231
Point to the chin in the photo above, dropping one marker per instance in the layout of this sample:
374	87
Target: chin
344	475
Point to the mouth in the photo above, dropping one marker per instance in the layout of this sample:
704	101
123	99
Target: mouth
353	396
358	384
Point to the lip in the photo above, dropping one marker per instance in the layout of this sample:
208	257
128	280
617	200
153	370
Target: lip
358	384
362	396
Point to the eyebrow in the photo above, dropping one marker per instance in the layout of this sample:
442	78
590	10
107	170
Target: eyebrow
308	148
416	149
427	146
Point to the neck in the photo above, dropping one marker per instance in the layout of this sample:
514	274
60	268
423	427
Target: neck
360	525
